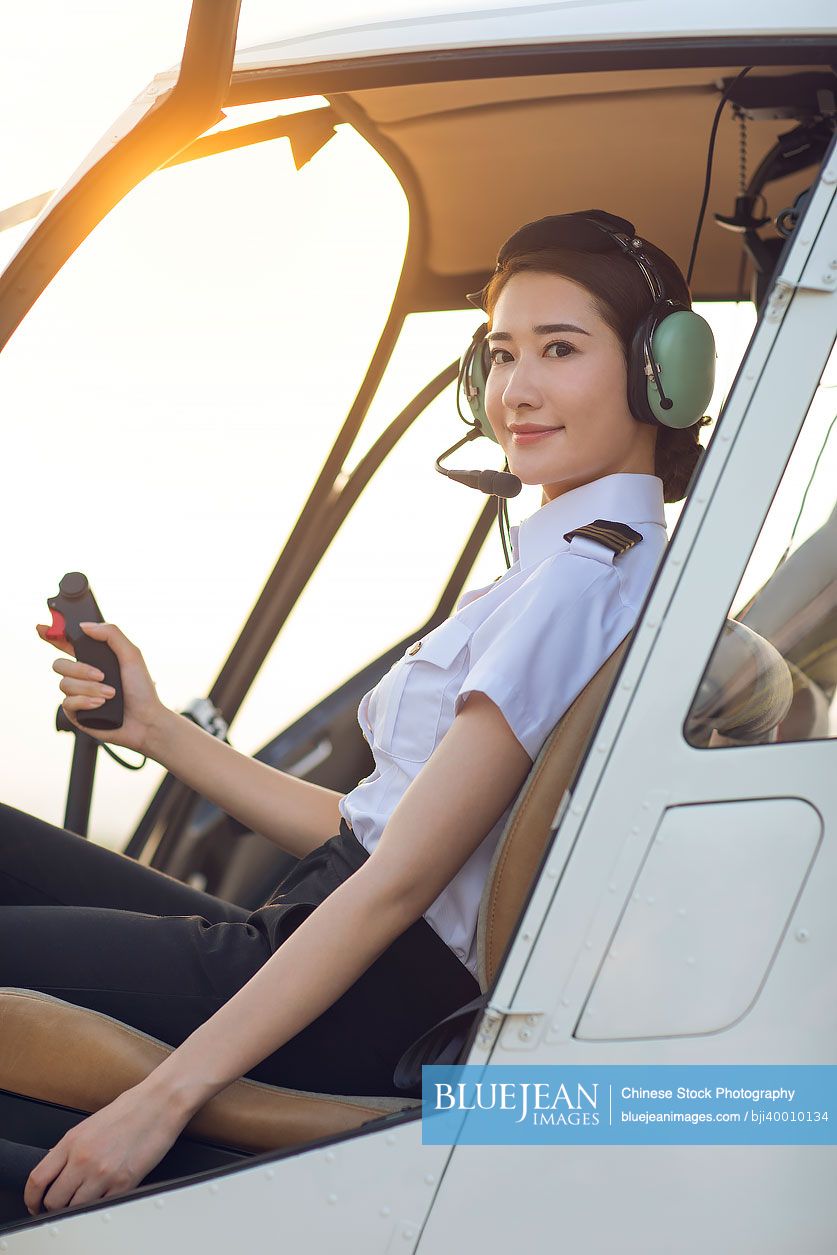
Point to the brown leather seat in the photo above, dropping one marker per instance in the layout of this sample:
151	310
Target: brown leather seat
57	1052
523	842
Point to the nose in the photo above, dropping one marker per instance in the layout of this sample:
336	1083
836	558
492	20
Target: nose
521	390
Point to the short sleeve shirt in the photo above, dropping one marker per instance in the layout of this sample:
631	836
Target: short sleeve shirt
530	641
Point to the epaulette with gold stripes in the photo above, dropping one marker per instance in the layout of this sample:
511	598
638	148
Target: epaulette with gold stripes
616	536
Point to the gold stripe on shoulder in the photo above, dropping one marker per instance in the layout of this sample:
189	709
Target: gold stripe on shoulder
618	537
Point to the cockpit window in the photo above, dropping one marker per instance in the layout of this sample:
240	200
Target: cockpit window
172	397
773	674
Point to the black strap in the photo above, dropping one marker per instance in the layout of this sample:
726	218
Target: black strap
440	1044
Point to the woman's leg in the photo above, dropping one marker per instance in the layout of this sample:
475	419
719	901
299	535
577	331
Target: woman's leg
166	976
42	865
163	974
96	928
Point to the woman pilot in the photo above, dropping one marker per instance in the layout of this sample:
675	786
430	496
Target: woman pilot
370	939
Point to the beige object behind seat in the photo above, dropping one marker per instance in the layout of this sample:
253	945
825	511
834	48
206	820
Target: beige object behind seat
55	1051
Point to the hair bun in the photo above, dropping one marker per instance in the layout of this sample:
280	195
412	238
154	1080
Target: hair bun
677	455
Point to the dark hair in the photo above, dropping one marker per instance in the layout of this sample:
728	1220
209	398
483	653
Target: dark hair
622	298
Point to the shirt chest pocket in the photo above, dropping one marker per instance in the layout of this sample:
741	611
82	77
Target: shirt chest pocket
412	696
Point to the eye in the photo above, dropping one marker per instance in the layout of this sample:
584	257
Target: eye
493	355
561	344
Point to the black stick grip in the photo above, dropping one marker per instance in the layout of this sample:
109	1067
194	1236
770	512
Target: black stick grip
76	604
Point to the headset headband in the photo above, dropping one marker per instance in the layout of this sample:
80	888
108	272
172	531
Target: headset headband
591	231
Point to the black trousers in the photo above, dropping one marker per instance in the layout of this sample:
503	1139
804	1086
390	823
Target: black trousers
96	928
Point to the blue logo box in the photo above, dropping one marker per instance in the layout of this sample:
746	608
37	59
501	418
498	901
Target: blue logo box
713	1104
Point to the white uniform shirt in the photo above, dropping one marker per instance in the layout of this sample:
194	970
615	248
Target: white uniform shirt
530	640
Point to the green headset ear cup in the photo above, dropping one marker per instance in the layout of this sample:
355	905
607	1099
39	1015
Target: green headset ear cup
684	347
477	363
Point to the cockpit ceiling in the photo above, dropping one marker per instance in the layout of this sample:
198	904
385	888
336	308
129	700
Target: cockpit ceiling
477	158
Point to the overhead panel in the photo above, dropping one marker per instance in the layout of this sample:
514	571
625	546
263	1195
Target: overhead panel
489	154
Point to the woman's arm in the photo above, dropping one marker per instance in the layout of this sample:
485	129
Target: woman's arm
448	809
295	814
451	805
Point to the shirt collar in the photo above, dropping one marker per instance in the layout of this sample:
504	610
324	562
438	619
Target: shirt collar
622	498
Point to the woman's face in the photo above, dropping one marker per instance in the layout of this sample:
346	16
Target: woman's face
571	382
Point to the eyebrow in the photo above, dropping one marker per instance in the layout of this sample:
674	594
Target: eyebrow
542	329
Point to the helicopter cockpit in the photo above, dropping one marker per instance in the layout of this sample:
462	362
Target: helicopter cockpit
481	137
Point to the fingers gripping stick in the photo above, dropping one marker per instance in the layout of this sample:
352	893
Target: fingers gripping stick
74	605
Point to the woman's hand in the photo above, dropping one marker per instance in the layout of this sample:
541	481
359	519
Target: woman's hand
107	1154
84	686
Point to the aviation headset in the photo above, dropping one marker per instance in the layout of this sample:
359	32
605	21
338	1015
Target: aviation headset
671	359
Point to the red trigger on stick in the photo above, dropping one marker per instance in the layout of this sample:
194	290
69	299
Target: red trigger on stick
59	627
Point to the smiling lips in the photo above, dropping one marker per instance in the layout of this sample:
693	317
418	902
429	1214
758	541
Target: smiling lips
527	433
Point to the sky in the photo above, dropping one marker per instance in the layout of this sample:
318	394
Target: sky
173	394
191	430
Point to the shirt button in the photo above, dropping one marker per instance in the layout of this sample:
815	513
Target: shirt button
414	648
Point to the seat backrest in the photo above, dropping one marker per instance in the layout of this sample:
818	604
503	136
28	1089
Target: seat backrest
745	693
523	841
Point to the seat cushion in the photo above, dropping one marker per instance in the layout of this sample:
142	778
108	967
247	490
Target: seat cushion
54	1051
